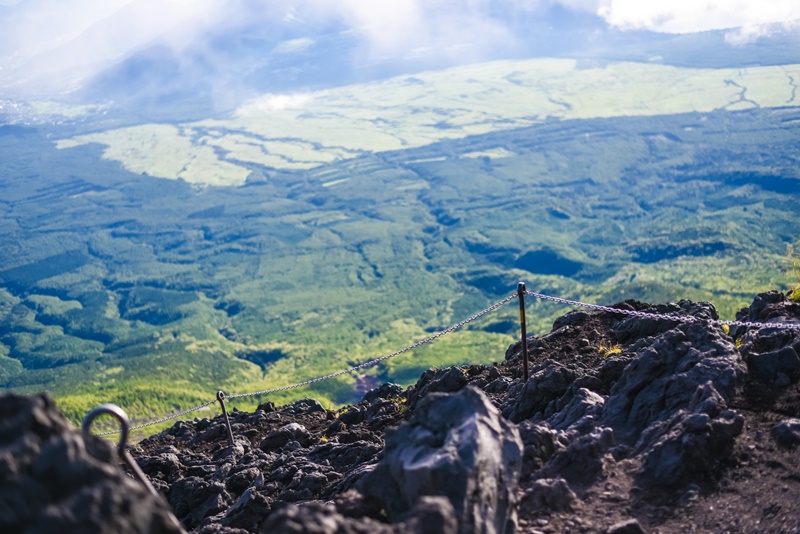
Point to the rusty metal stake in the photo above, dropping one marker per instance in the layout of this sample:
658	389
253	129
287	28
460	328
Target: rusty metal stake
521	295
122	446
221	399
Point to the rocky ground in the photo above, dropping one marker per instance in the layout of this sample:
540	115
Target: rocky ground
670	427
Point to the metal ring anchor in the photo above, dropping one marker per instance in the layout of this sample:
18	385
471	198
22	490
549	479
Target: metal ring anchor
122	445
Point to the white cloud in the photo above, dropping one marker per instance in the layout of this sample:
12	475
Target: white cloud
683	16
293	46
68	40
389	25
34	27
447	27
272	102
80	36
746	34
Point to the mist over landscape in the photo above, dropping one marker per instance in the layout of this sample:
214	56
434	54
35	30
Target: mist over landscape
239	195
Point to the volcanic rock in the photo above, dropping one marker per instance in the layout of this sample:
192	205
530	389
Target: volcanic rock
458	446
53	479
548	495
787	433
430	515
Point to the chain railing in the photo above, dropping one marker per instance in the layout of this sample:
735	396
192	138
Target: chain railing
162	420
371	363
663	316
376	361
364	365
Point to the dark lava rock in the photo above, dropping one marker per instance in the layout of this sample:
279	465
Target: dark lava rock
53	479
583	460
599	437
250	508
665	376
384	391
787	433
437	380
540	443
454	445
548	495
303	407
583	408
547	383
630	526
431	515
194	499
772	353
280	437
671	399
687	447
771	366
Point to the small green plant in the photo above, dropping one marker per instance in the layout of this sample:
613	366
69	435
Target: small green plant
401	403
738	343
609	350
793	270
727	329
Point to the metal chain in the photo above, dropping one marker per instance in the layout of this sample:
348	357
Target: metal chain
664	316
376	361
162	420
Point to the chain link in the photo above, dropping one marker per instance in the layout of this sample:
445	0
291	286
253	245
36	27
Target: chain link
751	324
663	316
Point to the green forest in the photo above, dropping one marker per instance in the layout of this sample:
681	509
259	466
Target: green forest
117	286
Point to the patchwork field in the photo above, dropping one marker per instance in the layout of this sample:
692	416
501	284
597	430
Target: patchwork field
304	131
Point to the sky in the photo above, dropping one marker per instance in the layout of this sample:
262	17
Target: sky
87	35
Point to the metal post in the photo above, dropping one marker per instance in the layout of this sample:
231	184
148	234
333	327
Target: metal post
521	295
221	399
122	446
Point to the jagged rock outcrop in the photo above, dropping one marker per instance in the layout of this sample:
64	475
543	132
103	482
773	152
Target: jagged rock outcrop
667	372
671	401
52	479
772	354
457	446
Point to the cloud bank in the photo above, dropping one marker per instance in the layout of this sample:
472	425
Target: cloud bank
684	16
70	40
